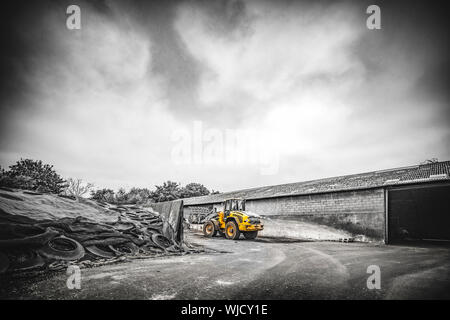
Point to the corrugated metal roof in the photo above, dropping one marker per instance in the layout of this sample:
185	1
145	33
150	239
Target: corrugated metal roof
398	176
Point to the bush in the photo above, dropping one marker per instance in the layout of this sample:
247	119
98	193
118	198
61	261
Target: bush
77	188
137	195
33	175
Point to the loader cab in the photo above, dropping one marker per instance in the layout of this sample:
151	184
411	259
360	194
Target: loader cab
233	205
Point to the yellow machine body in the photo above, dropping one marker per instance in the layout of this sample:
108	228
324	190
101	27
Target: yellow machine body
233	221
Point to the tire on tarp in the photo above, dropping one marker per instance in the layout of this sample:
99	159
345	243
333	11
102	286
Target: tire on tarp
123	226
62	248
128	248
161	241
152	248
96	251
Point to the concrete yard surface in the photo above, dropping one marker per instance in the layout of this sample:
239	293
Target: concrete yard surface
261	269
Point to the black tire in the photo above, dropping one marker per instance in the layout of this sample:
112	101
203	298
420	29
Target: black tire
250	235
232	230
62	248
128	248
161	241
209	229
124	226
99	252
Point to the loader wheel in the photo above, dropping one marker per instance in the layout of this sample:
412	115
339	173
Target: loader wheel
250	235
209	230
232	230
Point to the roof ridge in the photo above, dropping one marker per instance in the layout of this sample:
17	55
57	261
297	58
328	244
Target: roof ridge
376	178
338	176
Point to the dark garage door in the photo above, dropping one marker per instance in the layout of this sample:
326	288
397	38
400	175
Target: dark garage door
421	213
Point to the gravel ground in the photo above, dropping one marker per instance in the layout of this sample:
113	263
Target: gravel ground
261	269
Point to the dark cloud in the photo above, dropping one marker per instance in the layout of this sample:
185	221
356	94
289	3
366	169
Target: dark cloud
225	17
170	59
397	77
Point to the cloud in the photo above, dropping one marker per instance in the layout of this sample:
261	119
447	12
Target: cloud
93	107
293	66
317	85
307	80
279	51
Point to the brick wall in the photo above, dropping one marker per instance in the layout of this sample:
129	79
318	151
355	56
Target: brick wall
201	209
359	212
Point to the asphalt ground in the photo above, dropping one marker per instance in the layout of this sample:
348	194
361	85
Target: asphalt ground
264	268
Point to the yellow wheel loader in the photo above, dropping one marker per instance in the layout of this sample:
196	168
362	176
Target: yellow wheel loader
232	221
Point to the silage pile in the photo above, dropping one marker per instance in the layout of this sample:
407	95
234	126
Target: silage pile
43	231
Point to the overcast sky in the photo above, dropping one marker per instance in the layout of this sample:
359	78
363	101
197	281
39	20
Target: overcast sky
147	92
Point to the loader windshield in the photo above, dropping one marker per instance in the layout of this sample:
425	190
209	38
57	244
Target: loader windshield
238	205
234	205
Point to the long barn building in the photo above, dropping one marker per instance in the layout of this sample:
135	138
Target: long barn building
387	205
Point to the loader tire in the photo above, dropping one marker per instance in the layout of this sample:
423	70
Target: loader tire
232	230
250	235
209	229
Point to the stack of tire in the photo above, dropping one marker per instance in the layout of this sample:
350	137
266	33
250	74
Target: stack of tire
26	244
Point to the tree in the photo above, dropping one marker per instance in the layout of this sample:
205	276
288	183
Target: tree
105	195
33	175
194	190
137	195
77	188
167	192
